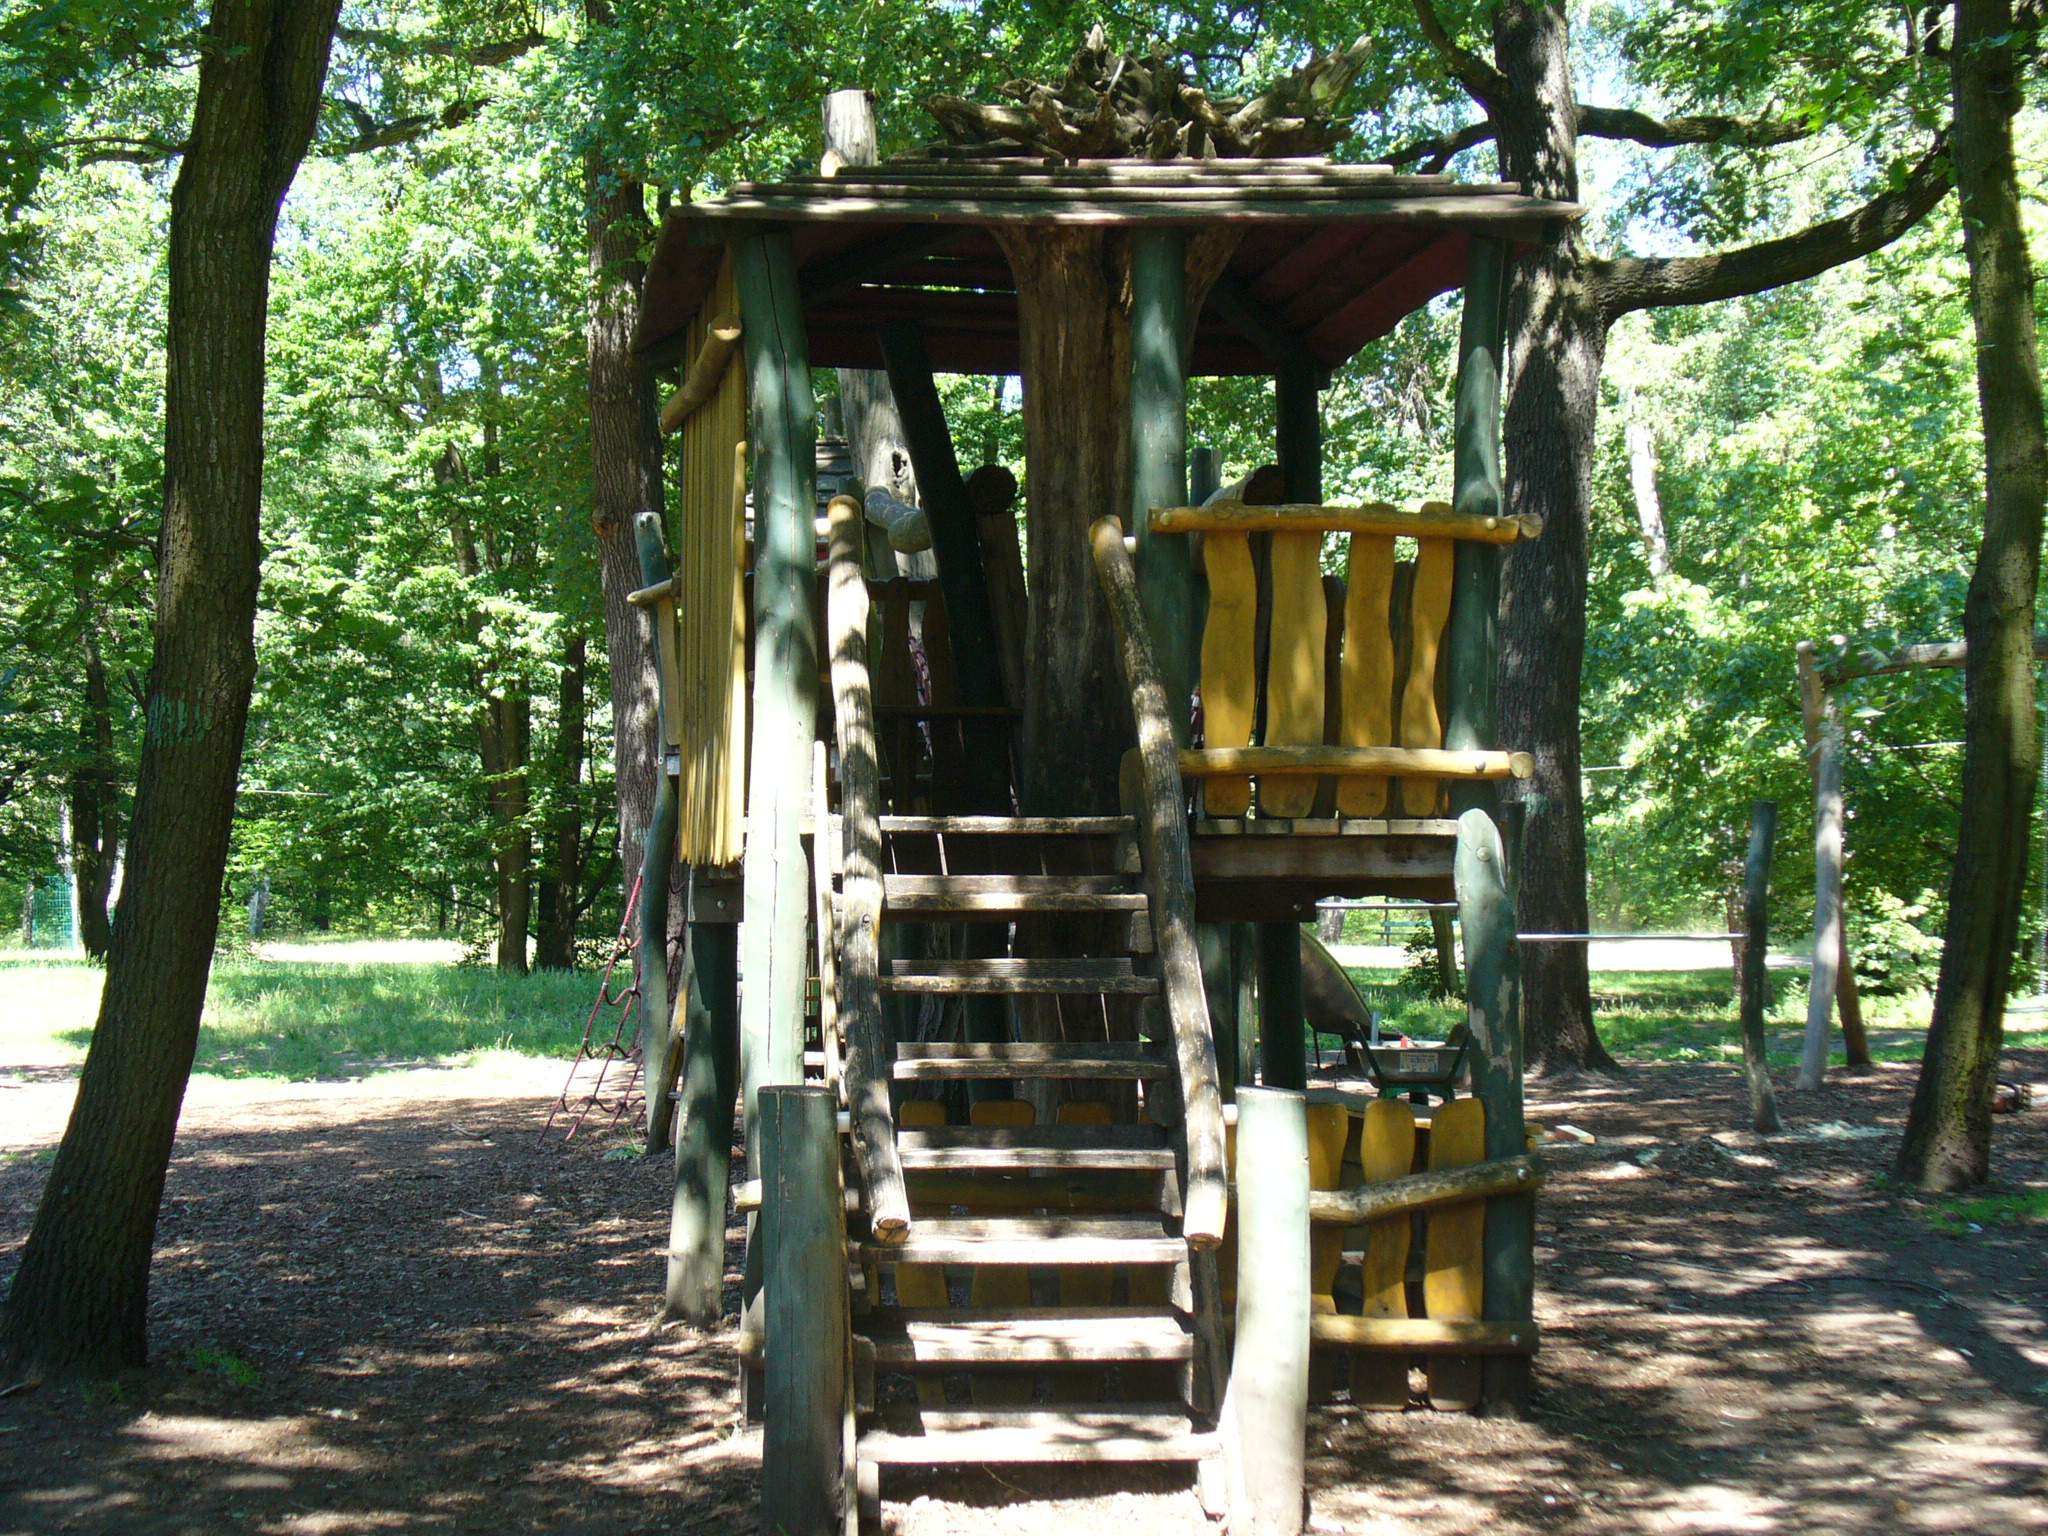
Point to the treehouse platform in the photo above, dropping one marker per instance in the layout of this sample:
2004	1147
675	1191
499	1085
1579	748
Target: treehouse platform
994	855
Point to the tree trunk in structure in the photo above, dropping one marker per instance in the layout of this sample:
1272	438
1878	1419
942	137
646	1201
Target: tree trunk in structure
626	463
80	1300
1557	341
1947	1142
95	794
1071	287
562	887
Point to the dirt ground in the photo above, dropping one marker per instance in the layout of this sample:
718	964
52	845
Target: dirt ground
392	1307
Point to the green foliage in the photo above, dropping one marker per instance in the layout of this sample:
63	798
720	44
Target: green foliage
212	1360
1895	948
1958	1216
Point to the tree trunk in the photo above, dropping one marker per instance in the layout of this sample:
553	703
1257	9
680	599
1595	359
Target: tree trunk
1071	286
80	1300
1947	1141
626	462
561	890
1557	341
1642	480
505	736
95	793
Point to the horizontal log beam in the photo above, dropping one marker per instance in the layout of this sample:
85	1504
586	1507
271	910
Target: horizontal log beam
1422	1335
705	375
1075	208
1435	520
1402	762
1911	658
1419	1191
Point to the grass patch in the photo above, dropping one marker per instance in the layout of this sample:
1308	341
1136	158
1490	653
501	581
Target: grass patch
228	1366
302	1021
1959	1214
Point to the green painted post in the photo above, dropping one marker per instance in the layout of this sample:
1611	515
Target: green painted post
1283	1022
1486	907
710	1078
1219	981
775	876
1267	1401
805	1310
1473	648
1298	420
1159	451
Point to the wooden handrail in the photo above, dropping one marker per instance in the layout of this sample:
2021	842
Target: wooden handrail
1420	1191
1435	520
1169	883
1400	762
869	1054
721	340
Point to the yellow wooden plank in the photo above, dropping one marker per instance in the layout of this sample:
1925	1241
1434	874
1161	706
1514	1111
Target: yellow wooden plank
1328	1124
1229	662
1368	667
1294	666
1386	1150
1421	725
1454	1268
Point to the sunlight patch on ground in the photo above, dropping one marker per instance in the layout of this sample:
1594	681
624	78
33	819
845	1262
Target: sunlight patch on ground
275	1444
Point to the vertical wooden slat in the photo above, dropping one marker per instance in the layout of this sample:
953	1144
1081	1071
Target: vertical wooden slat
1368	670
1230	684
1421	725
1294	669
776	876
1454	1253
1386	1150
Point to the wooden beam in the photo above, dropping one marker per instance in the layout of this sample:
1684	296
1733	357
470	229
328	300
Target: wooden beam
836	276
1418	762
776	873
1421	1191
721	340
1268	1393
1283	1017
1257	323
1911	658
1485	211
1435	520
1169	883
1423	1335
695	1287
1298	420
1159	442
868	1047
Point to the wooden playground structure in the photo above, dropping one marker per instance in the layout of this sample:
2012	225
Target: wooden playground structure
1003	855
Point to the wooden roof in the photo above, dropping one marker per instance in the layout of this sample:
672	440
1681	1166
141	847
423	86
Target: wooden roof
1331	256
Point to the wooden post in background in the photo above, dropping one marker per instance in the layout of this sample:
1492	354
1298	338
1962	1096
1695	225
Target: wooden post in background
1472	641
1159	444
1815	705
804	1265
710	1076
776	879
1827	878
1266	1406
1756	925
658	851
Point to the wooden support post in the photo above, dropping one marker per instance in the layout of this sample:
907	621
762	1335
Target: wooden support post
1473	659
658	853
1219	981
776	880
804	1250
710	1078
1205	474
1266	1407
1298	422
1827	882
1486	908
869	1052
1159	442
1756	915
1816	708
1283	1023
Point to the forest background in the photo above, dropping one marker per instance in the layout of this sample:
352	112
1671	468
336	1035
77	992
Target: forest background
430	743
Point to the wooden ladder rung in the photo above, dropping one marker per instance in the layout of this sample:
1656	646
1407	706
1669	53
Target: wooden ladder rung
926	1062
1010	893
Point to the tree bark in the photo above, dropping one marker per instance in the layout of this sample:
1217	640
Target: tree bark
95	794
79	1303
626	462
505	737
1947	1142
1072	289
561	889
1557	341
1642	480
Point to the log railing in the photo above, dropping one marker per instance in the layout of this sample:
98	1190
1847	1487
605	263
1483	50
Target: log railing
869	1055
1169	885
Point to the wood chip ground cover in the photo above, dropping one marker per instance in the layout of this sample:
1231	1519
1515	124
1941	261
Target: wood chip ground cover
391	1307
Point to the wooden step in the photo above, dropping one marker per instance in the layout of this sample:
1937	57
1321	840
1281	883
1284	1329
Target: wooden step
1136	1432
1010	893
1015	976
951	1062
1033	1240
923	1338
1036	1149
1010	826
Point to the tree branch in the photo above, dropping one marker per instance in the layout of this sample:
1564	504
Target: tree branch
1486	85
1642	282
374	135
486	55
1435	153
1748	133
120	147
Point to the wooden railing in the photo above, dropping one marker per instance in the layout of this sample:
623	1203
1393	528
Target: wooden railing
869	1054
1170	887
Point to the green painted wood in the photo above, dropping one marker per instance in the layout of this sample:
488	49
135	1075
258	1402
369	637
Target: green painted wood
776	880
1159	445
704	1108
1219	981
805	1311
1268	1394
1283	1022
1486	910
1471	644
1756	924
1298	417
